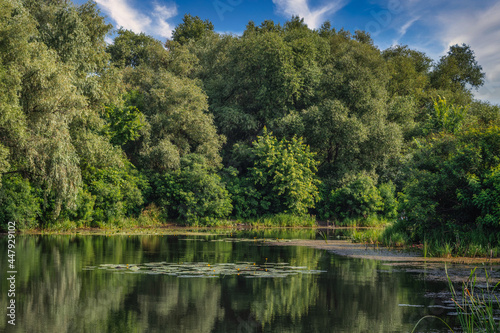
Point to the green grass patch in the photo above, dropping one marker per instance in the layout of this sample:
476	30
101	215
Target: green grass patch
283	220
371	236
370	221
394	236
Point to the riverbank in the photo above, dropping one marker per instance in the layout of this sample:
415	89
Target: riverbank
340	247
457	269
375	252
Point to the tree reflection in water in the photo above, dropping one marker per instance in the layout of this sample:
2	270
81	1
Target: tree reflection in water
55	293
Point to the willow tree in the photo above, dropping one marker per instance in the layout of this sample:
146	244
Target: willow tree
40	142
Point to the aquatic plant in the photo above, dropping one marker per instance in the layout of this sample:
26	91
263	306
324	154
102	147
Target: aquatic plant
207	270
323	235
475	305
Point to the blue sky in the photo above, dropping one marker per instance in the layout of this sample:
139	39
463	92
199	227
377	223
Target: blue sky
428	26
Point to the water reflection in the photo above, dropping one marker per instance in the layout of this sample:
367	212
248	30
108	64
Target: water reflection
56	294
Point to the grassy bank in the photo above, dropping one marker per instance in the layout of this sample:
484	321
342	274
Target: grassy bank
438	244
373	231
152	218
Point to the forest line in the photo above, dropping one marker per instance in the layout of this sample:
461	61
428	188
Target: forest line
283	124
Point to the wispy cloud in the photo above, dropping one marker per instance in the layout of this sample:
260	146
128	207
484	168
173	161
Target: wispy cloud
132	18
312	17
161	14
478	27
442	23
403	29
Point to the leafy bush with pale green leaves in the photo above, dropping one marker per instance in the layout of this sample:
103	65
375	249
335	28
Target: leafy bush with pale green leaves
284	174
446	117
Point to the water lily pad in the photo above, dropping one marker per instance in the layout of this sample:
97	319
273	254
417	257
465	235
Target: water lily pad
209	270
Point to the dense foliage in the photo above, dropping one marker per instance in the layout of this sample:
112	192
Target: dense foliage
207	126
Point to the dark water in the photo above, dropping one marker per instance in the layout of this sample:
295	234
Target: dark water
54	293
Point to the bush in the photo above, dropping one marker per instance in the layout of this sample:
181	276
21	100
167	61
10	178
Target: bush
389	208
194	193
19	203
358	198
114	193
245	197
453	191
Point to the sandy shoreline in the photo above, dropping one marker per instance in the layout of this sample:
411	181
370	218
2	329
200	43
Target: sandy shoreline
374	252
457	269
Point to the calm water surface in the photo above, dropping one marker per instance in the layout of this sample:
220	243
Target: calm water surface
61	287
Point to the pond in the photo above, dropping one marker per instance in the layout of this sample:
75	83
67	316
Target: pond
208	283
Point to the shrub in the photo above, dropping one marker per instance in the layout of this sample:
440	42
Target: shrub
19	202
359	198
194	193
389	208
245	197
115	192
453	191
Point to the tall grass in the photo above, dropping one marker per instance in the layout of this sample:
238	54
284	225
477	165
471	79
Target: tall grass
284	220
393	236
475	306
370	221
440	248
371	236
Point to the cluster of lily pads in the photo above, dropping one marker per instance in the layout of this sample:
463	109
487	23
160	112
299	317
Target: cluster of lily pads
204	269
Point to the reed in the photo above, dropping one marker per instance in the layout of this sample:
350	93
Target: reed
475	305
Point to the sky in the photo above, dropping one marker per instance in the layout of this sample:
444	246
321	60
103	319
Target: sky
428	26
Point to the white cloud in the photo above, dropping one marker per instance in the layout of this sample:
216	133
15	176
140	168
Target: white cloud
124	15
312	17
442	23
127	16
161	15
479	28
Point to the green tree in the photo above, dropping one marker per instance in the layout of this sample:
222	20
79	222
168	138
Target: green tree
123	124
409	70
19	202
131	49
115	192
336	136
260	85
452	188
458	69
77	34
176	111
191	28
